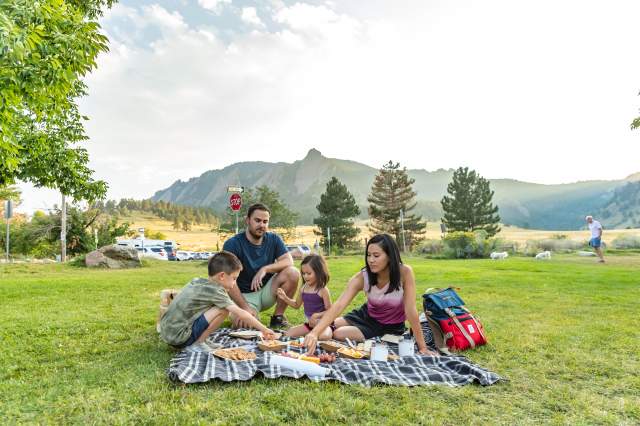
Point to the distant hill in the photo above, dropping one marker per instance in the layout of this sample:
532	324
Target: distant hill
623	210
301	183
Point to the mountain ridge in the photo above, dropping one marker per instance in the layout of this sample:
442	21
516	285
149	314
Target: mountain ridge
300	184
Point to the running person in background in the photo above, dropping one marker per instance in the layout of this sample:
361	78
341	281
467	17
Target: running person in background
267	266
596	236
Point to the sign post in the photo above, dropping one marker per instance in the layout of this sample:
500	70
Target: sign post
235	202
404	242
8	213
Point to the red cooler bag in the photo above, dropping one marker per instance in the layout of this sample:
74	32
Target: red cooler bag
454	327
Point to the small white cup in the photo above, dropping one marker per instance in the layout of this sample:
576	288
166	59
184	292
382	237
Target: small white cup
406	347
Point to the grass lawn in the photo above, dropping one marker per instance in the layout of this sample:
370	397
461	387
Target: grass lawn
79	346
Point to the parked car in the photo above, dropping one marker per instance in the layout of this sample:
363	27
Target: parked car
182	255
153	252
299	251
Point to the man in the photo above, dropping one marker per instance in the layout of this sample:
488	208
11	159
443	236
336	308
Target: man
596	236
267	266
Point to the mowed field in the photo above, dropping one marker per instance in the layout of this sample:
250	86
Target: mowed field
202	238
79	347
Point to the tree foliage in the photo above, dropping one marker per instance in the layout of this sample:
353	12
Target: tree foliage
468	205
40	237
46	48
281	215
337	209
392	192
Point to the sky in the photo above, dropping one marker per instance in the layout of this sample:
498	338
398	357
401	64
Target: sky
538	91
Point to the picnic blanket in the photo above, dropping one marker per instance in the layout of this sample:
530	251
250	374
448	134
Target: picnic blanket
196	364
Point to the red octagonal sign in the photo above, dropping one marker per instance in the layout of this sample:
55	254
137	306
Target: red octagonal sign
235	202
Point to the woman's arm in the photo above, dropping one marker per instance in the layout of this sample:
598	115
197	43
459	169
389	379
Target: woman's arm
410	311
289	301
355	285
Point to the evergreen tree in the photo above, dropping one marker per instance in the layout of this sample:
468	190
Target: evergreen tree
176	223
469	207
337	209
392	192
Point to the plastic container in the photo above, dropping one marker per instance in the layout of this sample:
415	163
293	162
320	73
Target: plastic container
406	347
306	367
379	352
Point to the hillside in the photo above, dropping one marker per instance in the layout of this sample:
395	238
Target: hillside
300	184
623	210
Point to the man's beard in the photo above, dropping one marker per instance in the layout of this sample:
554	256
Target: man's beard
254	235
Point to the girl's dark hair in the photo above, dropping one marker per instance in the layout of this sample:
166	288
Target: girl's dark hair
319	267
389	246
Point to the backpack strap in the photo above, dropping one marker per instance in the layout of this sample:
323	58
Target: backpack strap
460	327
475	320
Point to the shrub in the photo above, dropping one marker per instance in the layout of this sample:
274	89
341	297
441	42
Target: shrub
430	247
626	242
534	247
460	245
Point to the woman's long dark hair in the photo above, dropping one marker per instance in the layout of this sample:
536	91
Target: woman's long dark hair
319	267
389	246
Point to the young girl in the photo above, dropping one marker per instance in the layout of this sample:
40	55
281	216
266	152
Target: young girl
313	294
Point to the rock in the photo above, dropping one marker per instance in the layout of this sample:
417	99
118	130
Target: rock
113	257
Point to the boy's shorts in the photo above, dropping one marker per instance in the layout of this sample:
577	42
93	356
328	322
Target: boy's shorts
262	299
199	326
595	242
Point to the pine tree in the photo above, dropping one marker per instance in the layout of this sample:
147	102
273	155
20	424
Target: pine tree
337	209
392	192
469	207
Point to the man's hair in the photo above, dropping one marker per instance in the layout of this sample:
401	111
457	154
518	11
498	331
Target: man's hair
257	206
224	261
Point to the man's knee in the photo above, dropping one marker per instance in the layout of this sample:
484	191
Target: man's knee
291	274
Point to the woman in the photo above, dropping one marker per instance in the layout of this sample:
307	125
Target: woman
390	288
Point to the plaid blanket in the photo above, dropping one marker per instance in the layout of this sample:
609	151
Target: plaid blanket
196	364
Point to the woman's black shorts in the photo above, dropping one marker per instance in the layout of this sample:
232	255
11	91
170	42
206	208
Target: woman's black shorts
369	326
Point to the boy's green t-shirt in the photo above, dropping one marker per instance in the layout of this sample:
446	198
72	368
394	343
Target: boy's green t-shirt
193	300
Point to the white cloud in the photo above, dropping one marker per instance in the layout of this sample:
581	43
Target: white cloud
430	86
250	16
214	6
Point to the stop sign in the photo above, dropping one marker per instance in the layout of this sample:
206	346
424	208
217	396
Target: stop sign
235	202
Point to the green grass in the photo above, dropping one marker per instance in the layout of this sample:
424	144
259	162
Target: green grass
79	346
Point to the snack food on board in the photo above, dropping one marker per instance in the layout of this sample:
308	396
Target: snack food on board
271	345
331	345
310	359
235	354
350	353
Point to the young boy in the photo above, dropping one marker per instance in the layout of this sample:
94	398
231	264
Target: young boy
202	305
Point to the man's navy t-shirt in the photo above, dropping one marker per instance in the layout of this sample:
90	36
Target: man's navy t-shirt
254	257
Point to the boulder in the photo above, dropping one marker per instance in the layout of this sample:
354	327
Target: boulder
113	257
